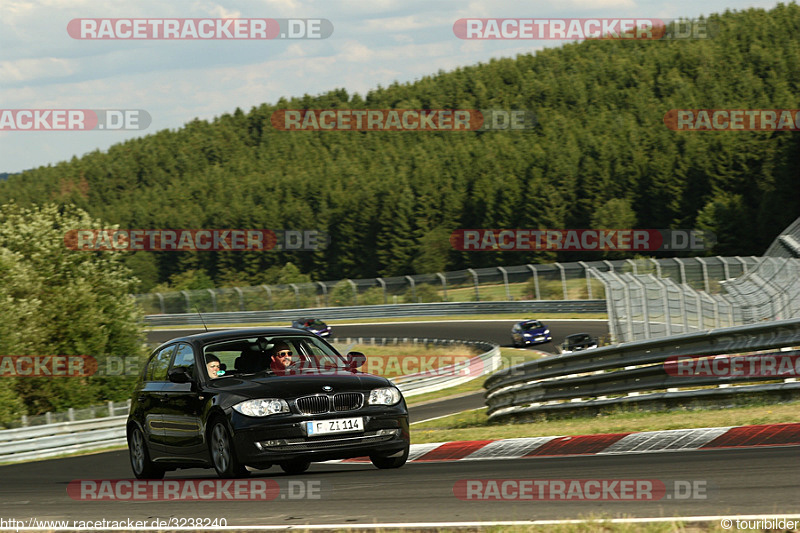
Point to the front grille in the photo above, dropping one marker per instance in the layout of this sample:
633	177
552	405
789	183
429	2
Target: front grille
321	403
347	401
313	405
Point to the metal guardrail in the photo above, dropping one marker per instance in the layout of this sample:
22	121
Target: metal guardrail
447	376
587	378
526	307
51	440
92	412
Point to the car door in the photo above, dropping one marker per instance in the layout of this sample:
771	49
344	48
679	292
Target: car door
150	399
183	431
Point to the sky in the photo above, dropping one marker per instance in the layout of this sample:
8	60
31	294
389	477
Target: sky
373	42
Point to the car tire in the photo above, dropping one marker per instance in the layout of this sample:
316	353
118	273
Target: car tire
223	454
142	466
295	467
390	462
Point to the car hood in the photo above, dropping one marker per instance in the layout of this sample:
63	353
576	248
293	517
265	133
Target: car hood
292	386
534	331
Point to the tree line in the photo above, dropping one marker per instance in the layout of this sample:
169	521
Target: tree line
599	156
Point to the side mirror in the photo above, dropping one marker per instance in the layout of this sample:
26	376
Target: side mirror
179	375
356	360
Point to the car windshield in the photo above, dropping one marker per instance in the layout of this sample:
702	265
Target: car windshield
317	324
252	354
574	339
533	324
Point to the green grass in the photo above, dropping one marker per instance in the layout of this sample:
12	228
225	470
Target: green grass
474	425
549	289
586	524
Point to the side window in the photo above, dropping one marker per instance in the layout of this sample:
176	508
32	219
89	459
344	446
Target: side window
157	369
184	358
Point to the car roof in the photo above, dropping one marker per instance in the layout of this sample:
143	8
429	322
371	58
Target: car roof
209	336
578	335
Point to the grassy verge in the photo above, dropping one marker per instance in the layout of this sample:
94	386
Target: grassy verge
460	318
473	425
592	524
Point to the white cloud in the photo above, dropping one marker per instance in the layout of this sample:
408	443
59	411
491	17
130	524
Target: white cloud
25	70
601	4
374	42
410	22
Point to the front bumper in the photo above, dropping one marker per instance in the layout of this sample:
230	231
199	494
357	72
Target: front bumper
537	339
265	442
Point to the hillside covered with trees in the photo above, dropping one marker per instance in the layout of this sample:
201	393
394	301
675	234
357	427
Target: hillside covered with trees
600	156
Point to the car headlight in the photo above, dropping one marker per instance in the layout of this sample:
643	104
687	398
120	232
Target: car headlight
264	407
527	334
384	396
547	332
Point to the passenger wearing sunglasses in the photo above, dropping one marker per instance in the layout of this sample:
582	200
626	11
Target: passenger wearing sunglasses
280	358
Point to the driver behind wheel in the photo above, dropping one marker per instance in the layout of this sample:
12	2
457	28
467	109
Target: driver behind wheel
280	358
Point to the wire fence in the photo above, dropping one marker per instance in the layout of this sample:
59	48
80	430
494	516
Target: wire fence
708	294
556	281
787	244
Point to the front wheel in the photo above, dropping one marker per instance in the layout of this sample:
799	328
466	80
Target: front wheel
390	462
143	467
223	455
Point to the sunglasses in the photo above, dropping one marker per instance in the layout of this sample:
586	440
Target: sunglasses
284	353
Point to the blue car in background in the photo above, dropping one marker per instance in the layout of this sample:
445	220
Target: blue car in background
314	325
530	332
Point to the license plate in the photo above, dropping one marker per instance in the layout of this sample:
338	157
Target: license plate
339	425
539	338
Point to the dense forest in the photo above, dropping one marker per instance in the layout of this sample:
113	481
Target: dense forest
600	156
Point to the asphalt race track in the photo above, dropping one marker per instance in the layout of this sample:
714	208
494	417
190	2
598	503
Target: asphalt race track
497	331
752	481
760	481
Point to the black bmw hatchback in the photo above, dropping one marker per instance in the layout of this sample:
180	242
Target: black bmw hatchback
254	398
